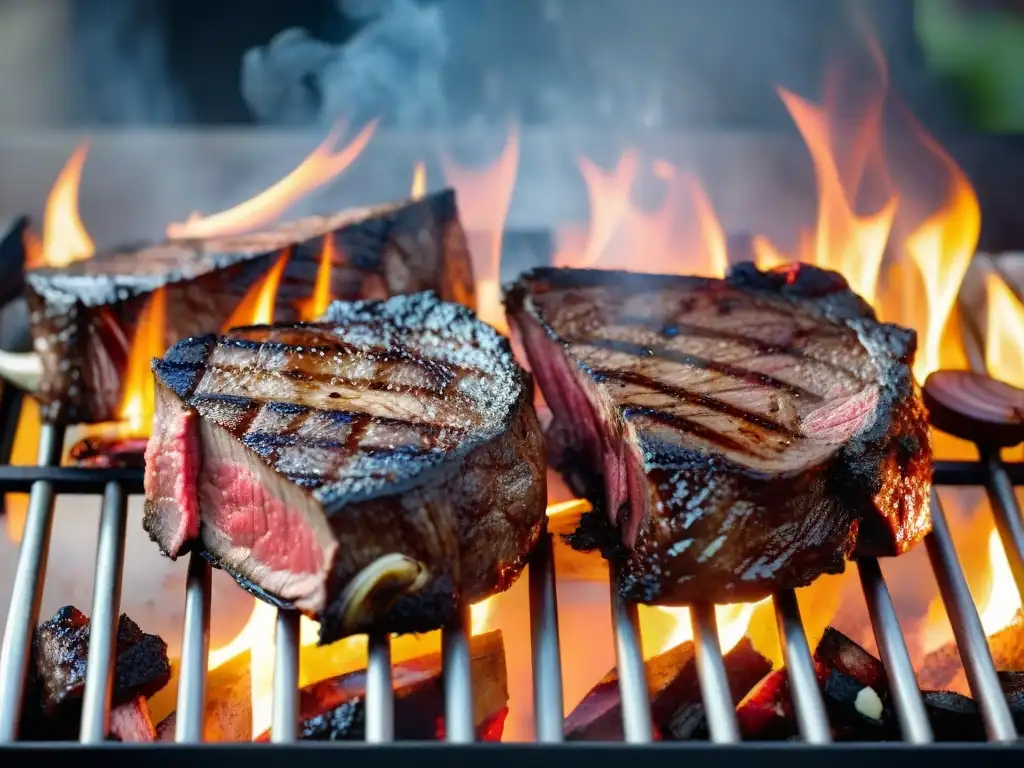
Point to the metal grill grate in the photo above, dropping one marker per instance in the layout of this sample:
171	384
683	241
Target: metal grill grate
47	480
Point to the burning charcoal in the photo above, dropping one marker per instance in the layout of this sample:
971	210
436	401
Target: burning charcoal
766	713
85	315
60	650
110	452
228	703
334	709
676	707
131	722
837	652
942	667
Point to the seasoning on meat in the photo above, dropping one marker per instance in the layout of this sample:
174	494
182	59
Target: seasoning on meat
741	436
372	470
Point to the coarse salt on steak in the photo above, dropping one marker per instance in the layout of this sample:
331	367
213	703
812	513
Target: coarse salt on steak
373	469
741	435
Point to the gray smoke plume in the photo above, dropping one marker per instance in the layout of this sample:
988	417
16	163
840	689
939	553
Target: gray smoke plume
391	67
121	52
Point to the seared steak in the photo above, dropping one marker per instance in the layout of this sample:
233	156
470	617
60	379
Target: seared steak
84	316
60	650
372	469
742	435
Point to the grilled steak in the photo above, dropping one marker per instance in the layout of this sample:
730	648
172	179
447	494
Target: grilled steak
372	469
60	649
741	435
84	316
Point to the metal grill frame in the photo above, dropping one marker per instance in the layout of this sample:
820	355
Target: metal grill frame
46	480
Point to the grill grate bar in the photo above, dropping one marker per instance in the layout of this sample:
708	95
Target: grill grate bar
27	591
637	726
106	602
284	727
967	629
195	650
548	706
459	727
1007	513
892	647
803	683
380	697
719	707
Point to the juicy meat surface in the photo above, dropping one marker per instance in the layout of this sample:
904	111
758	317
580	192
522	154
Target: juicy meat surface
741	435
84	316
372	469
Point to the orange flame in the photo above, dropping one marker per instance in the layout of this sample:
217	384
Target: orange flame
1004	339
258	304
137	403
320	167
257	637
315	306
65	239
620	233
485	196
24	453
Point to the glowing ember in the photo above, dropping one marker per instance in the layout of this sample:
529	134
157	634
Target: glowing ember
320	167
65	238
484	197
24	453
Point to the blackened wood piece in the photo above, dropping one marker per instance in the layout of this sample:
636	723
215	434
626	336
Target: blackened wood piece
84	316
109	452
12	260
334	709
975	407
676	707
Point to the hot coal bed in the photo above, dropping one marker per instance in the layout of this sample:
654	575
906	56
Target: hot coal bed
697	700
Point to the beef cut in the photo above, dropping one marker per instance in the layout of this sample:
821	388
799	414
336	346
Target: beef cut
741	435
60	651
372	469
57	670
85	315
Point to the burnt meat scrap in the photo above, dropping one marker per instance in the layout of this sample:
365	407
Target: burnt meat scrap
372	470
85	315
742	435
58	669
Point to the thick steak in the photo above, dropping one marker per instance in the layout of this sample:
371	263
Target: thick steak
743	435
84	316
372	470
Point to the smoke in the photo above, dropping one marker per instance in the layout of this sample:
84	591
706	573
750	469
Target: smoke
392	66
120	52
617	65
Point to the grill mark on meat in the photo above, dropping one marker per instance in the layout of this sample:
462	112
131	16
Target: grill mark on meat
762	346
684	424
424	484
686	519
711	403
682	358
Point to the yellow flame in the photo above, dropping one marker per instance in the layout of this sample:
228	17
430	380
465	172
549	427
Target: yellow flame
65	238
320	167
1004	339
